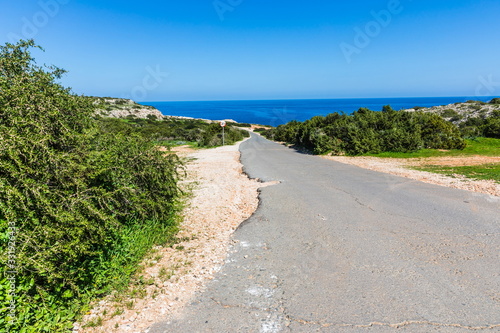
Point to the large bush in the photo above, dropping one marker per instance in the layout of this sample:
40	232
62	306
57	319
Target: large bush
367	131
73	192
488	127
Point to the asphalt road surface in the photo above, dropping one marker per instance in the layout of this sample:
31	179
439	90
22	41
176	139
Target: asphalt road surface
336	248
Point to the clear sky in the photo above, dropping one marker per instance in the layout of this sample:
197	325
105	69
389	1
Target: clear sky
175	50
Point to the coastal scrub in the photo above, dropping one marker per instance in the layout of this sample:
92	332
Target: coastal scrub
86	204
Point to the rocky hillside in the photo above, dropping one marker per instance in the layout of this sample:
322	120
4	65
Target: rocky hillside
122	108
461	112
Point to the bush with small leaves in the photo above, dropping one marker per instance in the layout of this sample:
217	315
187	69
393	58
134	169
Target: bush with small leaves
367	131
74	192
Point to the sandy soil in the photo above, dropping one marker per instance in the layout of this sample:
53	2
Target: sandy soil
399	167
222	198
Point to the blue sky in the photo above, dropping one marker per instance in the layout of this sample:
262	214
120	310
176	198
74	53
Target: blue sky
255	49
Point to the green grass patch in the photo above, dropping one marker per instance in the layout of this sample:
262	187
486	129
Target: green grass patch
177	143
478	146
478	172
40	309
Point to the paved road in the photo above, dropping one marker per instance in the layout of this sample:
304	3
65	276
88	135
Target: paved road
336	248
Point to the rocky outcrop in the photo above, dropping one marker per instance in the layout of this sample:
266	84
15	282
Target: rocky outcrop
460	112
123	108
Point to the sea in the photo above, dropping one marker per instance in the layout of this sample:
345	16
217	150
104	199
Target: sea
277	112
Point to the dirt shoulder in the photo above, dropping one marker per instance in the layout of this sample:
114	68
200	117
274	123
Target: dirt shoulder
222	198
400	167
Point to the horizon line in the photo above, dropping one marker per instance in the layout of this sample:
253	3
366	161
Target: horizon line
314	99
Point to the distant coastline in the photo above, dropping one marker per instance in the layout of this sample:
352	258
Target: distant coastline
277	112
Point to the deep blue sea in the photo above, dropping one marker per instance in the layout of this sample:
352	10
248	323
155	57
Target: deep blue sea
277	112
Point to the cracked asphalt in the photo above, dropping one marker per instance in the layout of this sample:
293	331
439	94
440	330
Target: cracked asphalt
336	248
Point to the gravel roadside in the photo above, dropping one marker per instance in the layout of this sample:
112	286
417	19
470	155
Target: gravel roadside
222	198
400	167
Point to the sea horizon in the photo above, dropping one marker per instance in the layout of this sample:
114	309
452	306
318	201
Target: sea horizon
275	112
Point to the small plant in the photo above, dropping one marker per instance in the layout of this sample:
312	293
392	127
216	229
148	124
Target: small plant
139	292
94	322
163	274
117	312
129	305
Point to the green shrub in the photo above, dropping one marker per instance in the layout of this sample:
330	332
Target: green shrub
449	113
475	102
492	128
73	190
481	126
367	131
190	130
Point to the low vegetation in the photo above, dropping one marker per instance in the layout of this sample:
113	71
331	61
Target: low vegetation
172	131
367	131
488	147
474	118
478	172
476	146
482	126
